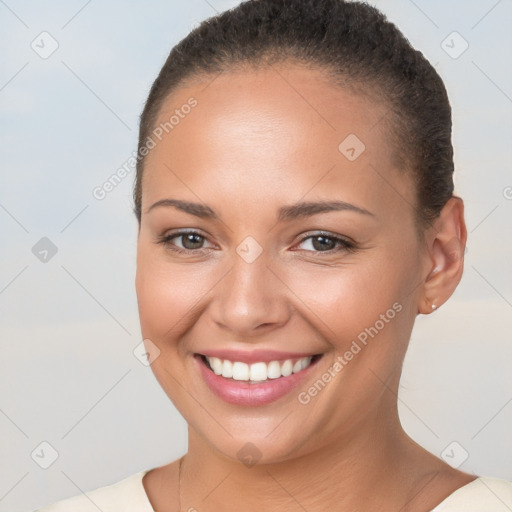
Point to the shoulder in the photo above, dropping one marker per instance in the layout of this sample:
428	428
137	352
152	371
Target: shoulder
127	495
481	495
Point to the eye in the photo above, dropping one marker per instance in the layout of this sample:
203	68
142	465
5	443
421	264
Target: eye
186	241
327	243
190	242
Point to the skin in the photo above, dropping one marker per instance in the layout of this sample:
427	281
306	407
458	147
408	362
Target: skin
259	140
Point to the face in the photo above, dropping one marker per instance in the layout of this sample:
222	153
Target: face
270	233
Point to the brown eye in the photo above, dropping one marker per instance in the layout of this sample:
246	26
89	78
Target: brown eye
183	241
191	241
323	243
326	243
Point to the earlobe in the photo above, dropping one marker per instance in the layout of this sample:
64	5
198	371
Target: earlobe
445	256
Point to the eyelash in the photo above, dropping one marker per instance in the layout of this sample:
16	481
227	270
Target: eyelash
344	245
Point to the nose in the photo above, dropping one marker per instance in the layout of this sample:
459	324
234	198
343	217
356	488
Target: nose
251	299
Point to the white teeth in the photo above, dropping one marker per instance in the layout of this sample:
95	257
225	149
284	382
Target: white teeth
227	369
257	372
240	371
216	365
297	367
273	370
287	368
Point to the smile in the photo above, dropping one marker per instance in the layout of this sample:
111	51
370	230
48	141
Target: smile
256	372
253	383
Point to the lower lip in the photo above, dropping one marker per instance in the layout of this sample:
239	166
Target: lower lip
251	394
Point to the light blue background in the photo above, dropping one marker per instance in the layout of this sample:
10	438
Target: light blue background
68	327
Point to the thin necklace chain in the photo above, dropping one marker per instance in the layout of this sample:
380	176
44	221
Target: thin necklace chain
179	481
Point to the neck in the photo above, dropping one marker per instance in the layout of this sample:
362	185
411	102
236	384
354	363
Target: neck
373	468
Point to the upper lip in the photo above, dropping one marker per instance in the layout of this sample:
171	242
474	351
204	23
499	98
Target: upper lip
255	356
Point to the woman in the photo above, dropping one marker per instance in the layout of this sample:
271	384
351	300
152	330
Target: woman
296	213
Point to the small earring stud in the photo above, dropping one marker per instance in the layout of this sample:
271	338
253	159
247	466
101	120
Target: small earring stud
434	306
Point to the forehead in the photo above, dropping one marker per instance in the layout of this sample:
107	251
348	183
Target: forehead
274	129
282	101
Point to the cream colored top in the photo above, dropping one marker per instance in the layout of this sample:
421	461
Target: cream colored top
128	495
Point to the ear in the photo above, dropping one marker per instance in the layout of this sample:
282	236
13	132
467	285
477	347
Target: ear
444	256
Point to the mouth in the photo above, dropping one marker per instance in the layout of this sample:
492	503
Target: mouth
257	372
255	383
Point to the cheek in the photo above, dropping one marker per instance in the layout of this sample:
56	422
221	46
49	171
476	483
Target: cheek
348	300
166	294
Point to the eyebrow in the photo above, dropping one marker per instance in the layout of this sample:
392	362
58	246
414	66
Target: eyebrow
307	209
197	209
286	213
